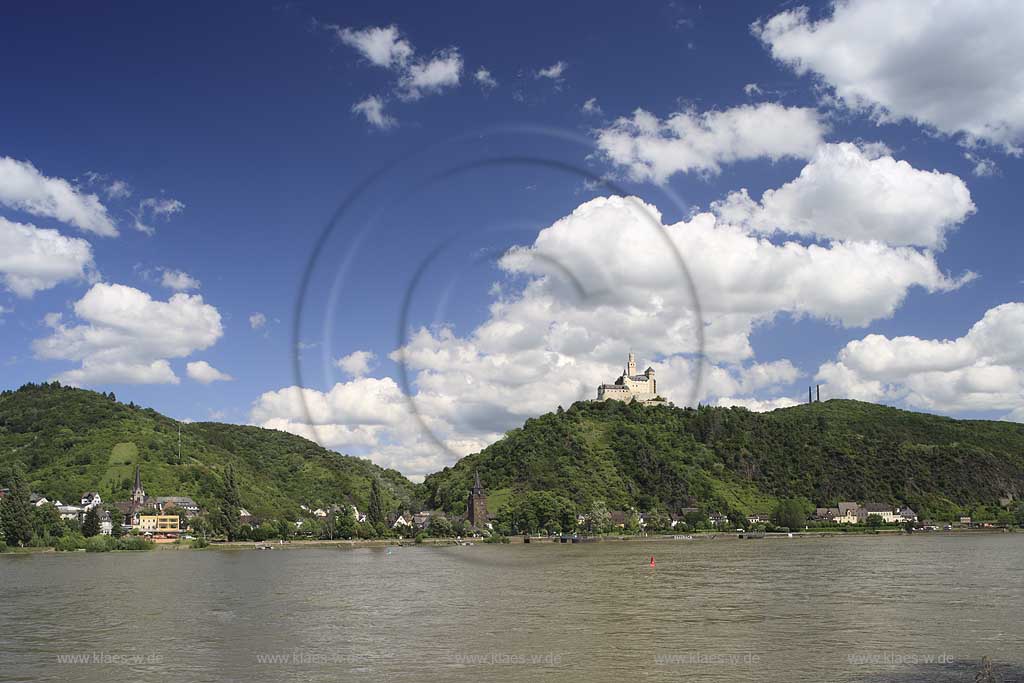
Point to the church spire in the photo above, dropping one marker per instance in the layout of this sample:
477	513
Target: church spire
138	493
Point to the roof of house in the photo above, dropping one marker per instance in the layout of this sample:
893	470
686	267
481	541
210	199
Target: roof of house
877	507
177	500
617	516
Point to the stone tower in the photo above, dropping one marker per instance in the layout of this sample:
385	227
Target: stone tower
631	366
138	493
476	506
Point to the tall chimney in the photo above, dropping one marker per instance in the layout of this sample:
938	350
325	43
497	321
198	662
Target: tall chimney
817	387
809	395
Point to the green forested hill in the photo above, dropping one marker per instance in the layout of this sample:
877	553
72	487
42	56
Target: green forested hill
67	441
734	460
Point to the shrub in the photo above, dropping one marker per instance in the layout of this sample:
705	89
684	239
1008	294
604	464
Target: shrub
69	542
198	543
134	543
420	536
99	544
497	539
3	546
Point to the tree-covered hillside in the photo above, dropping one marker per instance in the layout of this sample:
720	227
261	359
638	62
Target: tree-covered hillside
67	441
734	460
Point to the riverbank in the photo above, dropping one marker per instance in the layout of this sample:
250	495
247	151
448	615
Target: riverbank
555	540
699	537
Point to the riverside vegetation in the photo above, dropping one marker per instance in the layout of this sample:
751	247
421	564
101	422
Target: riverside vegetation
584	462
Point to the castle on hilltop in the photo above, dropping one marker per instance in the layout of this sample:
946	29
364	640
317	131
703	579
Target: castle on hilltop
631	386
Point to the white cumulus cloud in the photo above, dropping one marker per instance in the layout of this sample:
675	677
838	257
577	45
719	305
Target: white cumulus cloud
152	208
178	280
444	70
485	79
980	371
372	109
124	335
203	372
34	259
357	363
956	66
591	107
845	193
555	72
24	188
648	148
381	45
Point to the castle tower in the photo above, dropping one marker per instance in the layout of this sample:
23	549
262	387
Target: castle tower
138	493
650	376
476	506
631	367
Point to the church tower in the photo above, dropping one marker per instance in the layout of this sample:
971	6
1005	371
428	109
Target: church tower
138	493
476	506
631	366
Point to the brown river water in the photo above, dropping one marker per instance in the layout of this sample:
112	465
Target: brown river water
885	608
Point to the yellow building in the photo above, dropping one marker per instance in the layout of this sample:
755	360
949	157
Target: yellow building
159	524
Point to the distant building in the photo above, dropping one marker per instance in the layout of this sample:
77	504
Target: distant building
476	505
905	514
106	523
138	493
91	499
70	512
166	526
718	519
759	518
166	504
630	386
886	512
826	514
401	523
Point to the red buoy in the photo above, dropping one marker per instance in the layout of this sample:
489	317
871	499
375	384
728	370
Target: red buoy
652	560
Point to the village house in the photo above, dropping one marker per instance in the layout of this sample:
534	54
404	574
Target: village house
167	504
246	517
106	523
759	518
850	512
886	512
162	528
90	499
718	519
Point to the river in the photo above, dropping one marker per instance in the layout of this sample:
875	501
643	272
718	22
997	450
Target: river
926	607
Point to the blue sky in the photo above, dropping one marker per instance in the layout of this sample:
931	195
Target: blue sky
874	250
